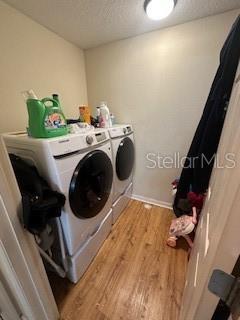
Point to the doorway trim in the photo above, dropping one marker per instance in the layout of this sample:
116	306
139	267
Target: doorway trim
42	302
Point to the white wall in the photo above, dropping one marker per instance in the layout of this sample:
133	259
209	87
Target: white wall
159	81
33	57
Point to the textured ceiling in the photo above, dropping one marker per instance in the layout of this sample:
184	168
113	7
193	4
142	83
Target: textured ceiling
89	23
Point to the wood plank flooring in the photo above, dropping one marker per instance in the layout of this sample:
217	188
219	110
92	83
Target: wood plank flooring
134	276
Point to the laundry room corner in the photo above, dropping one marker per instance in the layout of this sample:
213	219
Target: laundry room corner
160	80
34	57
119	159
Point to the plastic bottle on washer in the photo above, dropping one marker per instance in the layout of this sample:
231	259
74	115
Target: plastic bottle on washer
105	119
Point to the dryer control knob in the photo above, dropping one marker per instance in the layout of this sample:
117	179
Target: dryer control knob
89	139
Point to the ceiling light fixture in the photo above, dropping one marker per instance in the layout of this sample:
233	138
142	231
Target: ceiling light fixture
159	9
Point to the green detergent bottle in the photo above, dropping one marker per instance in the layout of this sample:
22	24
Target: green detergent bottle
46	119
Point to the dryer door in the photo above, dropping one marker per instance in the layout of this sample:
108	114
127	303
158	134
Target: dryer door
91	184
125	159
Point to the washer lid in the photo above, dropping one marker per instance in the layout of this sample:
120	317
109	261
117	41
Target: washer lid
120	130
91	184
76	142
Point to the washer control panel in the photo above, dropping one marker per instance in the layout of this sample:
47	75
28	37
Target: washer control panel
89	140
120	130
129	129
76	142
101	136
58	147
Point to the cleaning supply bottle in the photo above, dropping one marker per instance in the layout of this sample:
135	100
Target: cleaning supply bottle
112	117
85	114
105	121
46	119
55	96
98	117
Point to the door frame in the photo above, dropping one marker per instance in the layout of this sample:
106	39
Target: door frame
33	278
201	303
204	303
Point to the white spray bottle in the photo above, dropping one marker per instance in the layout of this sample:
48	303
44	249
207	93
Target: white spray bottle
105	121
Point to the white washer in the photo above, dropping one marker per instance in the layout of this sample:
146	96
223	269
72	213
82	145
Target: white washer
80	167
123	154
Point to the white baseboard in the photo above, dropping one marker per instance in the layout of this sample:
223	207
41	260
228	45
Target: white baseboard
158	203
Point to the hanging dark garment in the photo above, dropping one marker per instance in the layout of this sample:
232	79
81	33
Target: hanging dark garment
200	158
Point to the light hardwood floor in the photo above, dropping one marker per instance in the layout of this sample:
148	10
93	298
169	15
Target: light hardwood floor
134	276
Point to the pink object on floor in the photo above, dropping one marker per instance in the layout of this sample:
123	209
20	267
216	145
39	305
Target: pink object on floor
182	227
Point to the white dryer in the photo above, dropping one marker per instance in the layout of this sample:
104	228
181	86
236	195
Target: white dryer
123	153
79	166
